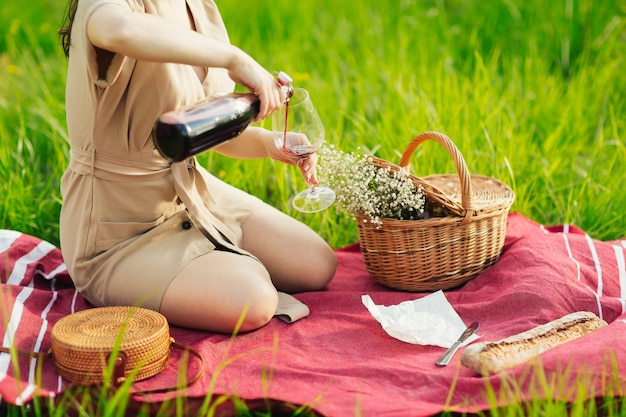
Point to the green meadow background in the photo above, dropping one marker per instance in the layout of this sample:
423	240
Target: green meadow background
532	92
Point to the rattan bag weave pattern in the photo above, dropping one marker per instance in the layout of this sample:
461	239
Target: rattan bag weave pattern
83	343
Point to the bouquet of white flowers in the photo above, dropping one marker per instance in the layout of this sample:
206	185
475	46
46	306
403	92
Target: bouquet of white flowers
362	188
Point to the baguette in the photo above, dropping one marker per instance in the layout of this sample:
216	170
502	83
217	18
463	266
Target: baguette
488	358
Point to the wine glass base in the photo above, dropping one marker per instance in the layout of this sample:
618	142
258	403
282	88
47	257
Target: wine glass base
320	198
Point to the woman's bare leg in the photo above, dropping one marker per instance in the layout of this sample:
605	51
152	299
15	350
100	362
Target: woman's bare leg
216	290
213	291
297	258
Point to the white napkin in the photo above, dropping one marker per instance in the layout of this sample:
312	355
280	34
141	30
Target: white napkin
430	320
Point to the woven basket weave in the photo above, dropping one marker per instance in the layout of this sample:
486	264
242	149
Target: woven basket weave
83	342
440	252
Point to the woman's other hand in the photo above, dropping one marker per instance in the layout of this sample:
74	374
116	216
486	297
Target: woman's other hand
307	165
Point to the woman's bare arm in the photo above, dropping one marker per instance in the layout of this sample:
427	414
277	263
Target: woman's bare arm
152	38
256	142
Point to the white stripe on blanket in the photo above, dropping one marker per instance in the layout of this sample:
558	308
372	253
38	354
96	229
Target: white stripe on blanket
621	271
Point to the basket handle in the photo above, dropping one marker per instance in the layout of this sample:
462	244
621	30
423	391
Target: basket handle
465	178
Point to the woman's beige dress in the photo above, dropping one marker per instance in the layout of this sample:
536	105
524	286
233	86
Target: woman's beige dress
130	221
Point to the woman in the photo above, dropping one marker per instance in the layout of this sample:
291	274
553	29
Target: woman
136	230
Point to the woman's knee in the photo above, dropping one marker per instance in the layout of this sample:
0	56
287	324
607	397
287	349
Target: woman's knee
319	269
221	292
236	310
259	310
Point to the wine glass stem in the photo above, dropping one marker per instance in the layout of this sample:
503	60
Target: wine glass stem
312	192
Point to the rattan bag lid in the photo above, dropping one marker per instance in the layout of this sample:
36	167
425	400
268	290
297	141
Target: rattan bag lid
83	342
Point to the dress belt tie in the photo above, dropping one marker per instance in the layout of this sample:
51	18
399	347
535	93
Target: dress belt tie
88	162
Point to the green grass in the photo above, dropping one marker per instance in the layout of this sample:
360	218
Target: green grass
532	92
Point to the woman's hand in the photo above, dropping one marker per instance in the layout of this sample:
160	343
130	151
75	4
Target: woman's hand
256	142
307	164
247	72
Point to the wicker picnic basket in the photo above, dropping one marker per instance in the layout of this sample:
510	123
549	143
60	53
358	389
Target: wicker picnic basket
439	252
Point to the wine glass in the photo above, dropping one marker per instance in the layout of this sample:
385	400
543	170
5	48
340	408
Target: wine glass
299	132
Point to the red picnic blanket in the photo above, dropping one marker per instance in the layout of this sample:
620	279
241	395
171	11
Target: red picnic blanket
339	360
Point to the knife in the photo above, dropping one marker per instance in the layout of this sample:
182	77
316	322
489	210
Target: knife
445	359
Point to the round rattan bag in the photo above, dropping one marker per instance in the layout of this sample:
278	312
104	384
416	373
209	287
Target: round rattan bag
122	340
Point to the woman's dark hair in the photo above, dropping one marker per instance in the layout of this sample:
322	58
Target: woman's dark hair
66	28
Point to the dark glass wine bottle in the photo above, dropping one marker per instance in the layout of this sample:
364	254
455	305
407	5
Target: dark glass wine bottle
189	131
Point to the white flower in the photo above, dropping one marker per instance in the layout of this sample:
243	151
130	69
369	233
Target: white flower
365	189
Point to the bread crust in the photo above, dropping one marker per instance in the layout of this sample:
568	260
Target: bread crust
488	358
